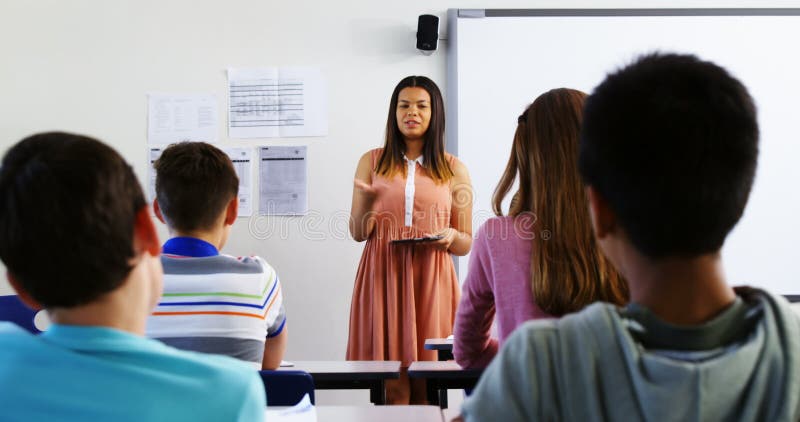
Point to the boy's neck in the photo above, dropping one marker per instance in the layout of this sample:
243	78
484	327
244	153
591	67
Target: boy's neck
214	237
126	308
681	291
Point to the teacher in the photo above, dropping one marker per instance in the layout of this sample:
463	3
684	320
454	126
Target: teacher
410	188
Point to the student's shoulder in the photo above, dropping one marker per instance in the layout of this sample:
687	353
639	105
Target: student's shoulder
218	264
11	330
500	229
254	261
188	364
13	336
778	305
495	225
580	329
218	366
240	380
534	334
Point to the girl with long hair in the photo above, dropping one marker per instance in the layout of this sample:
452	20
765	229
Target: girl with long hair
541	260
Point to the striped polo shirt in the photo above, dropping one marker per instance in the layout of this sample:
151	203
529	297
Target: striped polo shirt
216	303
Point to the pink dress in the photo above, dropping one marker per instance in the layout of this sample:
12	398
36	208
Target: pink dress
403	293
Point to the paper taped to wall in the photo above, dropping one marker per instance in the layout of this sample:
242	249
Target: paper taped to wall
276	102
283	181
182	117
242	159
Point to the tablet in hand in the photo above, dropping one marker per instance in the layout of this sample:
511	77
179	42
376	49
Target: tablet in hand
419	239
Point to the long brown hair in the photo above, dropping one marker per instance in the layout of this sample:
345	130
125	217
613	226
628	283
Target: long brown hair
568	271
391	159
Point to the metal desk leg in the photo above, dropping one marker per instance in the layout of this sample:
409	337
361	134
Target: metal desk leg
432	391
442	397
377	393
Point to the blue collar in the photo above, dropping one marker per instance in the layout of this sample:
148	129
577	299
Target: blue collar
189	246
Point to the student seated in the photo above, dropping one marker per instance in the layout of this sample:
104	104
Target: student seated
77	239
516	271
212	303
668	153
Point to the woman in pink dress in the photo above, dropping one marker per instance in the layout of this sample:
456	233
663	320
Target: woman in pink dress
410	188
542	259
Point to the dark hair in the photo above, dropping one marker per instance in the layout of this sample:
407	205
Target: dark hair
195	182
568	271
68	206
671	143
391	158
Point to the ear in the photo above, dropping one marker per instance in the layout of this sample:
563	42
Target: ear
157	211
603	219
145	238
232	211
23	294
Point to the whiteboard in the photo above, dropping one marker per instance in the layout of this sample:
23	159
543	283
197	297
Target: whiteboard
501	60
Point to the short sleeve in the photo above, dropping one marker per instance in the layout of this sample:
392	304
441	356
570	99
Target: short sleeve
275	313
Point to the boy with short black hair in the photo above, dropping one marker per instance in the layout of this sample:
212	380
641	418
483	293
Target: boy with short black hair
77	239
668	152
212	303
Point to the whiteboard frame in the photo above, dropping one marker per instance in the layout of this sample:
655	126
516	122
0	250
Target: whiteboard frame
451	95
451	70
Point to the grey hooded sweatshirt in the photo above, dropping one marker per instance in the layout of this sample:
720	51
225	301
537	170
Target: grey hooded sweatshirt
624	364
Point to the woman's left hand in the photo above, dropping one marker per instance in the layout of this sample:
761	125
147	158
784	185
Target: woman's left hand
448	236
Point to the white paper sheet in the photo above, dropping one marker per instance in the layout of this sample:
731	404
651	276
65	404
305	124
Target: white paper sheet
283	183
153	153
276	102
243	163
182	117
303	411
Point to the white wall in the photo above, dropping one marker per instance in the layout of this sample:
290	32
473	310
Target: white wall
86	65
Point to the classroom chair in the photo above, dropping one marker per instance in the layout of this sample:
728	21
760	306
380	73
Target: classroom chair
13	310
286	388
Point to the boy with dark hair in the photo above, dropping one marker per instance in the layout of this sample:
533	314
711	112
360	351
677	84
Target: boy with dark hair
77	239
212	303
668	153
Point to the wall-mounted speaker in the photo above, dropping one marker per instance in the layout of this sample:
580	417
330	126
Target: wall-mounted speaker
427	33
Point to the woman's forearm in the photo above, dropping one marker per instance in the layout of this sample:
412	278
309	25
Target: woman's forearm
462	243
362	222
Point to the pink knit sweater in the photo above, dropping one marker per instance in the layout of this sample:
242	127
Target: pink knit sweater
498	283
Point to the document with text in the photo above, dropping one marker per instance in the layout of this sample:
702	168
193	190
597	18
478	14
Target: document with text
242	159
275	102
182	117
283	181
152	155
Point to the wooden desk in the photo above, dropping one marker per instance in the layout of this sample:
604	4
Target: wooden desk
443	347
351	375
442	376
377	413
